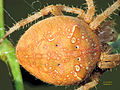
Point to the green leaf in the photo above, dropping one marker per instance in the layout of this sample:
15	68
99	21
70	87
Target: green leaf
116	45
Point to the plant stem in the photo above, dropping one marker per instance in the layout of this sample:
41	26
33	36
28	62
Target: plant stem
7	54
1	19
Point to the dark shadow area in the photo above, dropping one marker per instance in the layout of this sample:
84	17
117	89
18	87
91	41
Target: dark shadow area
5	79
30	79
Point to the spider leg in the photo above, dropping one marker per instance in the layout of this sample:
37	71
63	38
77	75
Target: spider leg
100	18
106	49
109	61
78	11
55	10
93	83
90	12
45	11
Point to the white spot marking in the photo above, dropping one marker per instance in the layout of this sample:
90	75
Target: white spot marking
75	74
69	30
26	56
68	78
87	68
86	40
64	79
50	67
83	37
83	52
77	68
82	33
81	65
88	62
36	41
56	71
67	75
73	40
38	44
51	39
58	58
48	57
94	53
63	33
59	55
92	44
71	34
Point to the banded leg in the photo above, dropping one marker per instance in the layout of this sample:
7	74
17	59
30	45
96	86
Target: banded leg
100	18
45	11
93	83
109	61
90	12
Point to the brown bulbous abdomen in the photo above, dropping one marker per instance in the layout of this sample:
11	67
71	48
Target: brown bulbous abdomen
59	50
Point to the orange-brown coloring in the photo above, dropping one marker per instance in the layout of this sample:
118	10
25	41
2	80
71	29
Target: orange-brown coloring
60	50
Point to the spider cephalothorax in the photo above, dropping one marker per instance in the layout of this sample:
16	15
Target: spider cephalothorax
64	50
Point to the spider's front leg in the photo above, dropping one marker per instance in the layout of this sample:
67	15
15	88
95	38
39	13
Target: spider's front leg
45	11
90	12
100	18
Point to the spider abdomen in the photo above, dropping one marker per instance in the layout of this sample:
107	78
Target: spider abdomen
60	50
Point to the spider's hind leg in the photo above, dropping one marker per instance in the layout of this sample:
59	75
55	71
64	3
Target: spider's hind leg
108	60
94	81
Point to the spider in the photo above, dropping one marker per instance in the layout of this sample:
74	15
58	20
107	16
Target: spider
65	50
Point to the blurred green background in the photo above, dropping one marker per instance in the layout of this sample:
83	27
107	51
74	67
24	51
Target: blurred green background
19	9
